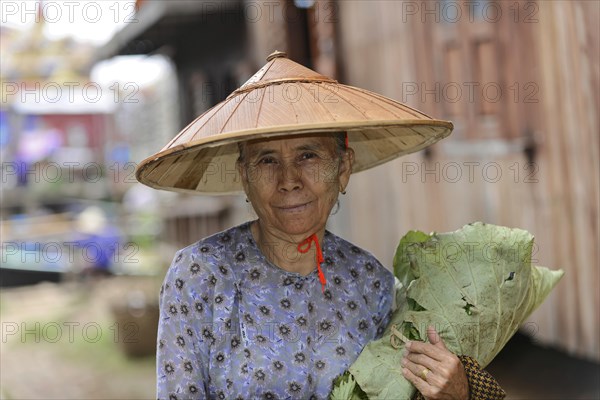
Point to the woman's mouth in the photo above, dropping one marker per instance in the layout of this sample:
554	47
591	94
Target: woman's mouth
295	208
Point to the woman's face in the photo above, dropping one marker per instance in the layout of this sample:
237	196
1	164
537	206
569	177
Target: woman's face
294	183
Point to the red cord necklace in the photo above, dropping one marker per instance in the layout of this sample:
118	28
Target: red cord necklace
304	246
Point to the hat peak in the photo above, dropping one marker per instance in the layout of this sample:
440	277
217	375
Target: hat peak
280	69
276	54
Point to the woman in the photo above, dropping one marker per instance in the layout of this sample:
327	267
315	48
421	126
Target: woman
278	307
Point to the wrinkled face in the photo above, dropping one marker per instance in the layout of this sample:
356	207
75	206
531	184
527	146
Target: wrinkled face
294	183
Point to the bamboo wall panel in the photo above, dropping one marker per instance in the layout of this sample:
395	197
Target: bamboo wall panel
568	50
558	202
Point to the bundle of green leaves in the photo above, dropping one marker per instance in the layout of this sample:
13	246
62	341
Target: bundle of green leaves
476	286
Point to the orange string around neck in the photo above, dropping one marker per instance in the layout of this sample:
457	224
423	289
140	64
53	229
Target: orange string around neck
304	246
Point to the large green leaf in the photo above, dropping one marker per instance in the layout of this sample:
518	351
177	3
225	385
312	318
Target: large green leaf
475	286
377	369
402	268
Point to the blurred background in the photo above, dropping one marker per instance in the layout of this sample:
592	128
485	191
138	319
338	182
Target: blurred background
89	89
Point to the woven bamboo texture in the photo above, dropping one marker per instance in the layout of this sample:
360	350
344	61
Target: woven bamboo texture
286	98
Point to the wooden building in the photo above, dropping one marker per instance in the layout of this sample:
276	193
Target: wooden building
520	80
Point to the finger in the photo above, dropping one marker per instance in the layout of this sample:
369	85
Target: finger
415	368
421	385
437	376
424	360
434	337
437	353
426	374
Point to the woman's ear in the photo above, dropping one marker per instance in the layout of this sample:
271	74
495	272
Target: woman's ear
346	164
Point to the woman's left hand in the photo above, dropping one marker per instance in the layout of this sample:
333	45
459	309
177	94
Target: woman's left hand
435	371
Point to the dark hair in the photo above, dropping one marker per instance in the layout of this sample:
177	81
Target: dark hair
340	145
340	142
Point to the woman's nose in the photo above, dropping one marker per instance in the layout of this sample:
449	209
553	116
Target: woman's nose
290	177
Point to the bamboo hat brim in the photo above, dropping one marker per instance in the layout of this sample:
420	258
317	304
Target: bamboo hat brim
283	99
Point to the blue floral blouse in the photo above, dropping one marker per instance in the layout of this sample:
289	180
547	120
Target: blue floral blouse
233	325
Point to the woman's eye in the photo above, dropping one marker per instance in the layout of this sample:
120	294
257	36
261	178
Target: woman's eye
266	160
307	156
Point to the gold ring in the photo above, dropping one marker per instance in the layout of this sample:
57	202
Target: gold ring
424	373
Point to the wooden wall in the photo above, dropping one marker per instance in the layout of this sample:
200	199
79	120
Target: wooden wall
528	159
567	50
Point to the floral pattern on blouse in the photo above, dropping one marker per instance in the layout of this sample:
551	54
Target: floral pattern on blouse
235	326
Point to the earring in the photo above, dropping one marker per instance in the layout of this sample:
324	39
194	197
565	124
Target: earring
247	201
342	191
337	208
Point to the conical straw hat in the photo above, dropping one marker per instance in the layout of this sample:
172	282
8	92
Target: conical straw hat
282	99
